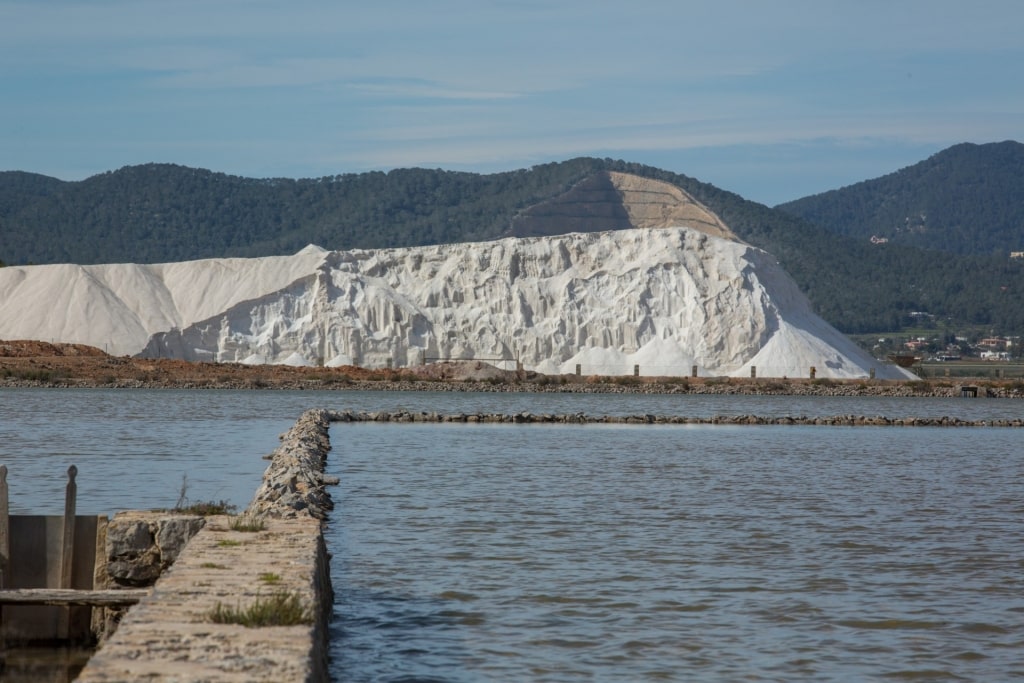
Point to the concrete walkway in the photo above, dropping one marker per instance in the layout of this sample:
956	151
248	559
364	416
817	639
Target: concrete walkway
169	635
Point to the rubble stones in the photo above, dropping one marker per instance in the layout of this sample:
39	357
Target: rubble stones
140	545
294	481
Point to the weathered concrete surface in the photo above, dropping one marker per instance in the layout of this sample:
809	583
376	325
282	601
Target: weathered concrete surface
169	636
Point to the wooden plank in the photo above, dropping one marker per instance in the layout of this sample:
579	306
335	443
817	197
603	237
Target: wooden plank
66	597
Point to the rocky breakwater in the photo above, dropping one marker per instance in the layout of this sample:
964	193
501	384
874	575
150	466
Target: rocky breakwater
249	597
582	418
294	482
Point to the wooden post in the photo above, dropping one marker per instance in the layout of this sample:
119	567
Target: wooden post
67	555
871	374
68	547
5	529
693	371
636	370
579	369
753	372
814	371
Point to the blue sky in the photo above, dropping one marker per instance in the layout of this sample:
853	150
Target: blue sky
772	100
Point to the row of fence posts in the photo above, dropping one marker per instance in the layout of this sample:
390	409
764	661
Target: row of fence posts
693	371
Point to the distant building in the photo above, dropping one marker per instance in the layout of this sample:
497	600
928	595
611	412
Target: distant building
1017	254
875	239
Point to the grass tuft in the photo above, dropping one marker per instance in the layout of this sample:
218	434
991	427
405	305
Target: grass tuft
279	609
247	522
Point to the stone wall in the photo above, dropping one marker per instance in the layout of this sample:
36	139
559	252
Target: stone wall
582	418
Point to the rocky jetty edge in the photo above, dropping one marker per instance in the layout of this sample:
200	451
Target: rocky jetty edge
582	418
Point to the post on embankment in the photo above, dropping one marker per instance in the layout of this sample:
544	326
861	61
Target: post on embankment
5	534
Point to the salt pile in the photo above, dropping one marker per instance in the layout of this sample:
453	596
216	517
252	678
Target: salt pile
663	299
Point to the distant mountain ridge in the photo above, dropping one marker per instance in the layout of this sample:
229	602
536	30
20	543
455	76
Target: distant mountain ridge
161	213
966	199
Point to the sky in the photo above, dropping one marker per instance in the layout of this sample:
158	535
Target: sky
771	100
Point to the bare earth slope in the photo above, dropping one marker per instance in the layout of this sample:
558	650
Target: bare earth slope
617	201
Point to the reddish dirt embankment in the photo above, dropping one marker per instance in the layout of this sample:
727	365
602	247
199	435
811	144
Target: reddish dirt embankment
40	364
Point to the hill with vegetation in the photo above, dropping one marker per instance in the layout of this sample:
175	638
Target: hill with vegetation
964	200
161	213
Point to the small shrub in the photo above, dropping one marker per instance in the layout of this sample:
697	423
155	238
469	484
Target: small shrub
206	508
270	578
212	565
280	609
228	543
202	508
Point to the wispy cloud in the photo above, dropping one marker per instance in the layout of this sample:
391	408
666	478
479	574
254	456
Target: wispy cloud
316	87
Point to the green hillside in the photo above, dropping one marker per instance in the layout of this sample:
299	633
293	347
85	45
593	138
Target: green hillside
159	213
964	200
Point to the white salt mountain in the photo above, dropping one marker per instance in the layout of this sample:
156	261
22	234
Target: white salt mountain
664	298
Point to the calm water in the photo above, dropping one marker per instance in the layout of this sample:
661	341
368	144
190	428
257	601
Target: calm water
499	553
565	553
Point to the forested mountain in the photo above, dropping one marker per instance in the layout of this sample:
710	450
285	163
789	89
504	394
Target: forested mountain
159	212
966	199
